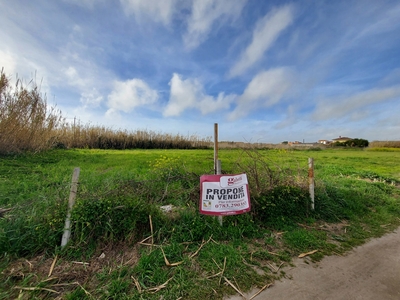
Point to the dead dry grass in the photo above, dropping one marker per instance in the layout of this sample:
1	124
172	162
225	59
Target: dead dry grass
27	123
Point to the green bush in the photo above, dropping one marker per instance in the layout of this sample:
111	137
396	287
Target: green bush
280	203
34	228
112	218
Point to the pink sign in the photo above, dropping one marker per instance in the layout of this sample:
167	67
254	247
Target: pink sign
222	195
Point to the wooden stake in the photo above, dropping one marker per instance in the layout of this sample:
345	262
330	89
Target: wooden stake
311	180
151	230
215	147
71	202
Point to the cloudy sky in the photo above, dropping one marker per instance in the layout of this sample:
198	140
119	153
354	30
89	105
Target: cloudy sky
265	71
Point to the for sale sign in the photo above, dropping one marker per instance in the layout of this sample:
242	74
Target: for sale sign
224	194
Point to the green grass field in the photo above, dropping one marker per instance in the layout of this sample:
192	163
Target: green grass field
183	255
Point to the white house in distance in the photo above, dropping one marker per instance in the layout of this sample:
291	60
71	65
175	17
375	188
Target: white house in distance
325	142
340	139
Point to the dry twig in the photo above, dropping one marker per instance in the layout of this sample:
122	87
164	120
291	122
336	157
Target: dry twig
81	263
142	241
3	211
274	269
306	254
34	289
223	270
168	263
259	292
137	284
234	287
158	288
201	246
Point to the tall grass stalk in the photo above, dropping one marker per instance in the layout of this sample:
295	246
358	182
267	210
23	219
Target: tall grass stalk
26	121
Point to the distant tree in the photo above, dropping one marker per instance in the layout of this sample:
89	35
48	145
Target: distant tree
337	144
285	142
357	143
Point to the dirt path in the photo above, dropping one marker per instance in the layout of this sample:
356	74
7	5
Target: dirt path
371	271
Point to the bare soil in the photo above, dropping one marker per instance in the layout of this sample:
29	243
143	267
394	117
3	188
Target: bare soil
370	271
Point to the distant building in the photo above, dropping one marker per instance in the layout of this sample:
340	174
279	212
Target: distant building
325	142
341	139
301	145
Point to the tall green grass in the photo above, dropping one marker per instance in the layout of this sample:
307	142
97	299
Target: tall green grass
119	191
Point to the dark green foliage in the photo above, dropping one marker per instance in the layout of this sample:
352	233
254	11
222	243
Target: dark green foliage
360	143
357	143
302	240
112	218
283	204
192	226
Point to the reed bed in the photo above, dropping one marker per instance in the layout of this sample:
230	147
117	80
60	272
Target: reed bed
384	144
100	137
27	123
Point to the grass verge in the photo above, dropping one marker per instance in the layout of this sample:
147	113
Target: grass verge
119	252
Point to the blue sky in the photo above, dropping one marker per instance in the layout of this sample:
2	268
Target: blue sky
265	71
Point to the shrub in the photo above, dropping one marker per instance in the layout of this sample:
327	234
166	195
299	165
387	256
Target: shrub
281	203
112	218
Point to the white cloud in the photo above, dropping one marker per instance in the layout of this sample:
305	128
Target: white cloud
290	118
73	77
113	114
92	98
189	93
159	11
265	89
127	95
8	62
382	22
265	34
336	108
204	14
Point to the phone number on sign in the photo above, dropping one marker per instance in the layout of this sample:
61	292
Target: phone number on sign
231	205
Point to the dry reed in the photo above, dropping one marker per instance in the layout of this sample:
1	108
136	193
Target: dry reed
28	124
384	144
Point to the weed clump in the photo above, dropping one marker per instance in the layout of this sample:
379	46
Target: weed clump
111	219
282	204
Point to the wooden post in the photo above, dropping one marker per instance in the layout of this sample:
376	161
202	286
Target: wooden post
311	180
219	172
215	147
71	202
217	162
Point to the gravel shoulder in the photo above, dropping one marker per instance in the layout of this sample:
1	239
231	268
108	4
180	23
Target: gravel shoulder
370	271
